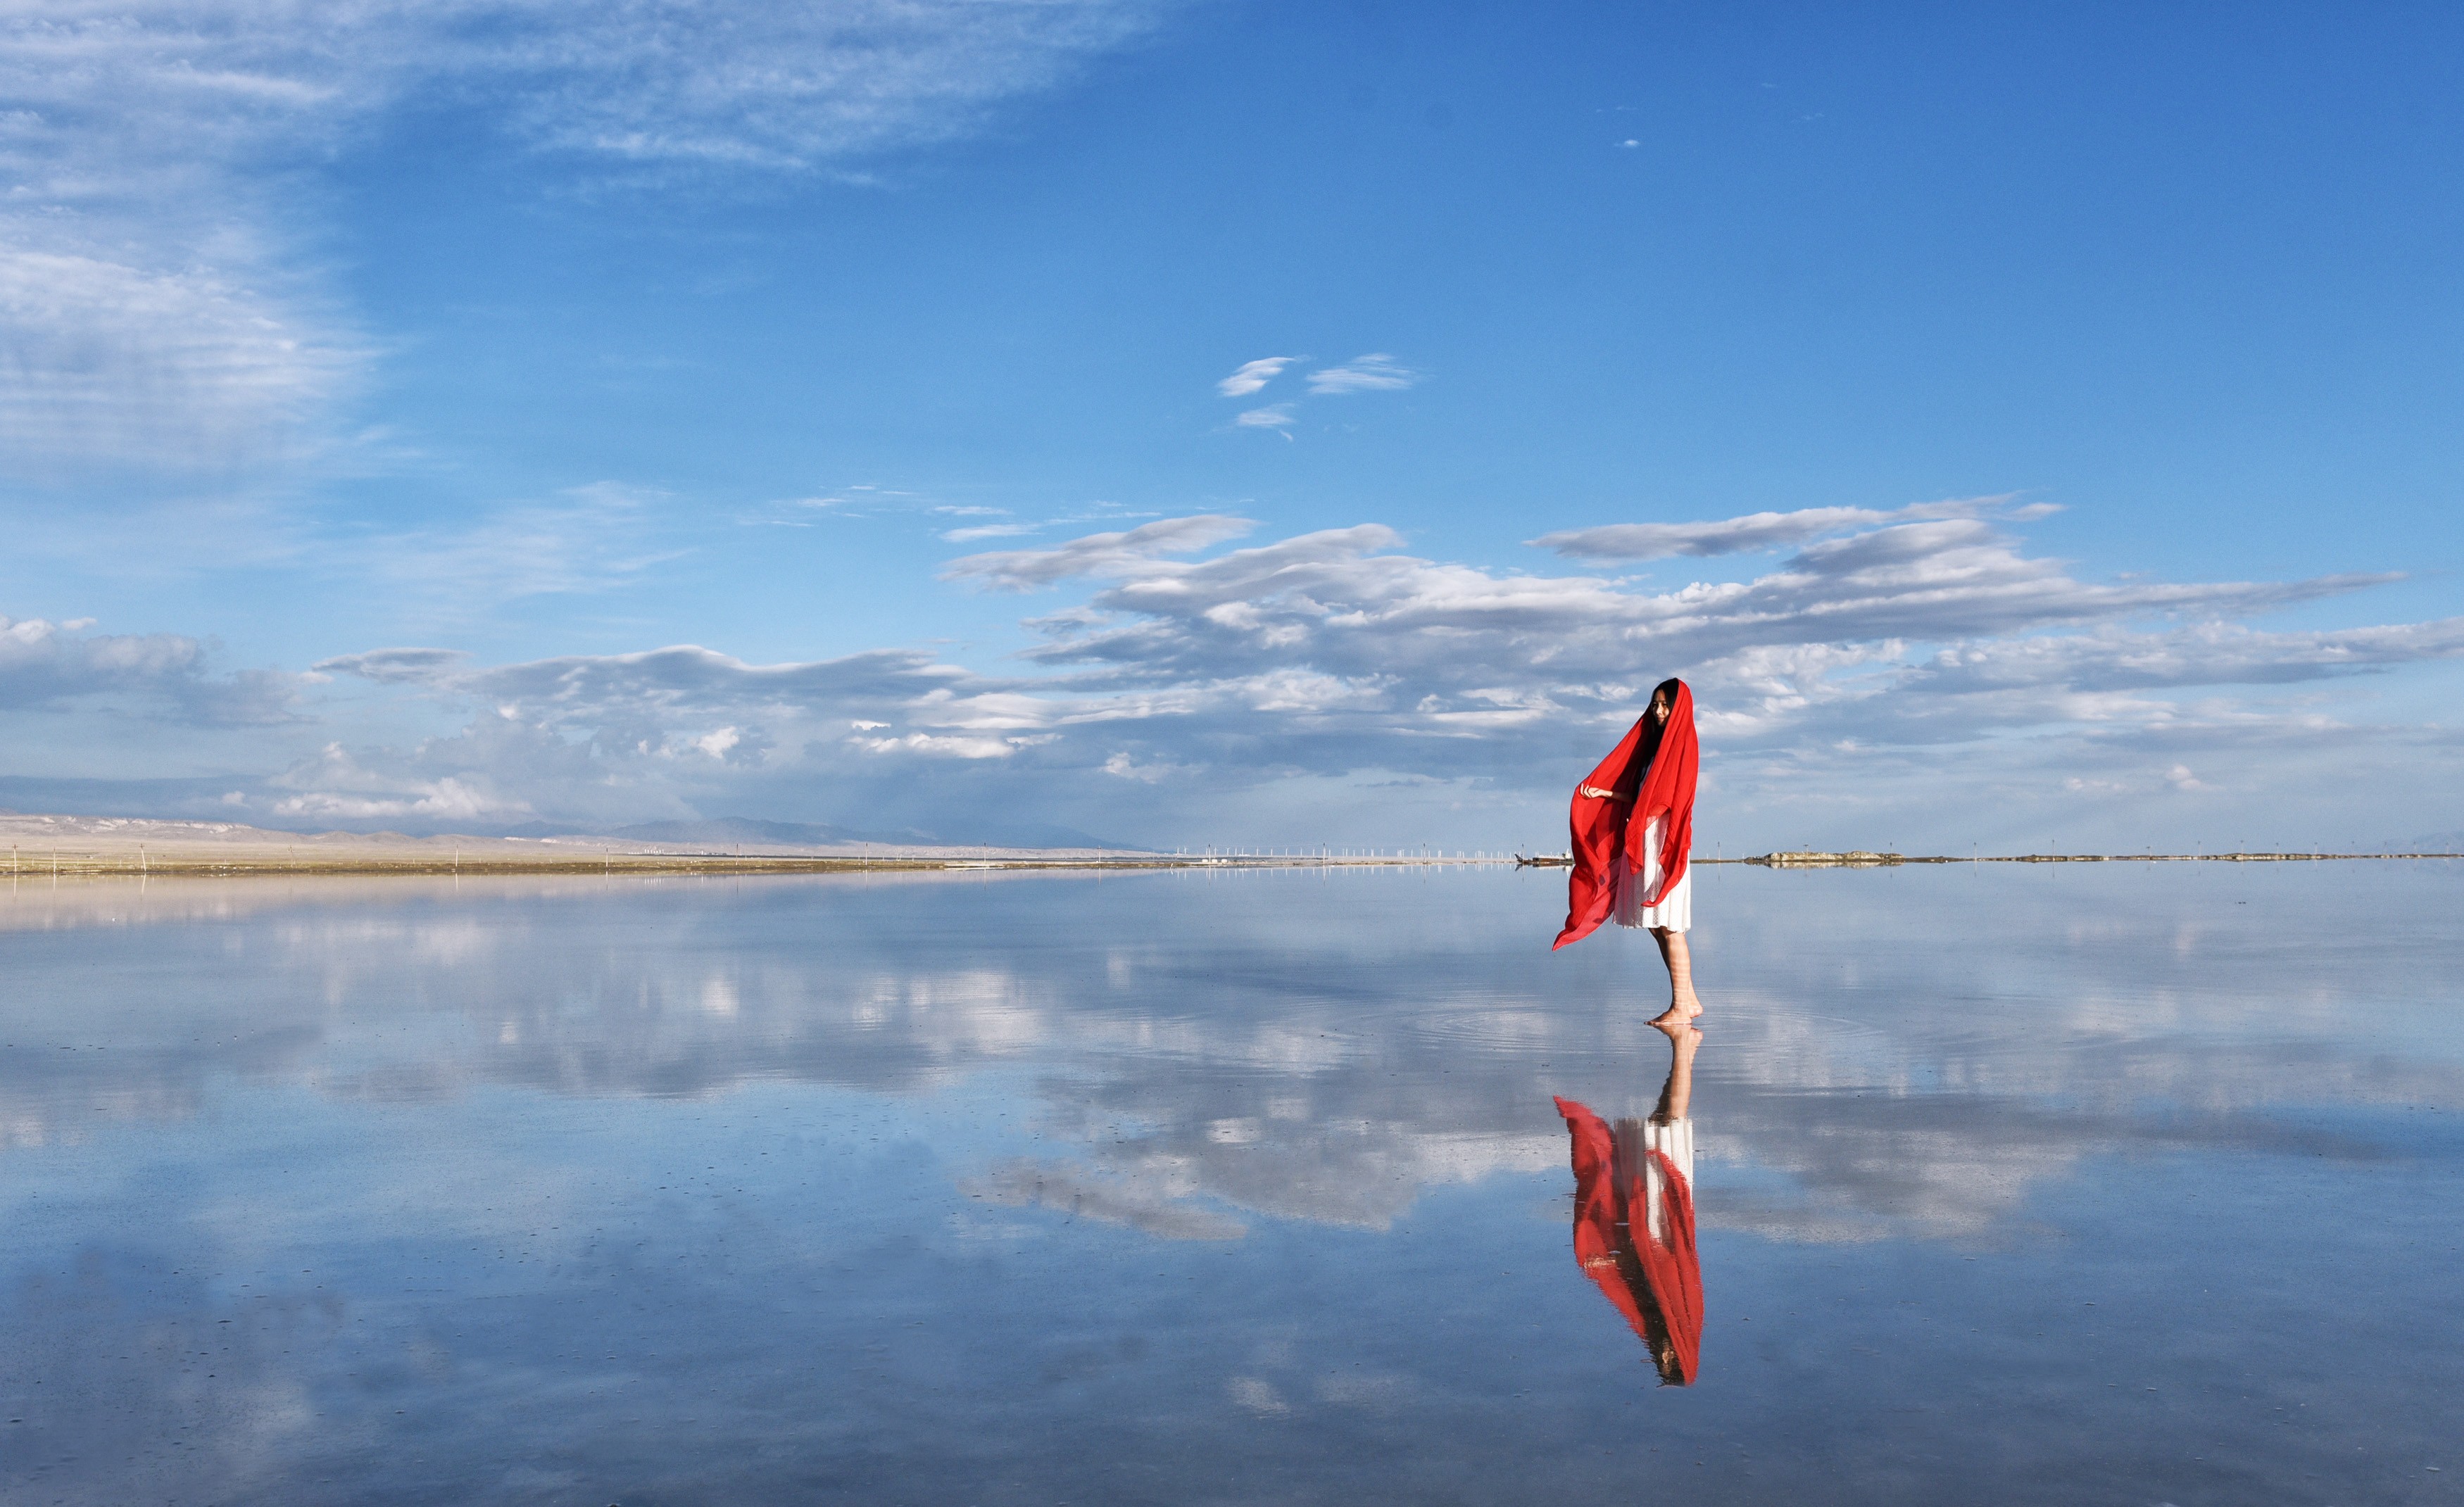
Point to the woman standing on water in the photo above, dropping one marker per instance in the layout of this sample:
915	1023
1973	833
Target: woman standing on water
1633	822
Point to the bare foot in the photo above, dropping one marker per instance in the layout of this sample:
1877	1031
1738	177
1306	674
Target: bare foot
1678	1014
1686	1037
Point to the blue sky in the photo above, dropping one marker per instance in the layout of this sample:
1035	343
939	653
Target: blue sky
2104	362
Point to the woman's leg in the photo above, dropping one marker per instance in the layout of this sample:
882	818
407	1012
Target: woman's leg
1681	1003
1676	1096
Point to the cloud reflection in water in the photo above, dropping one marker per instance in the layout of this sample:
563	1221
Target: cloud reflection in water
1321	1063
842	1170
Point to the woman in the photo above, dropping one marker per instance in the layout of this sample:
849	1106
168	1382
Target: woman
1632	823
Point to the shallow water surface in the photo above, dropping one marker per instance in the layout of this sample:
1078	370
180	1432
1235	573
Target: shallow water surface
2092	1184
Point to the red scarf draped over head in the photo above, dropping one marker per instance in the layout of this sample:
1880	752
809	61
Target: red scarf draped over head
1602	827
1646	1280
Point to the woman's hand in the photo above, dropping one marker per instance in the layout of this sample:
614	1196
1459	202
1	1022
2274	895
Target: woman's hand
1602	794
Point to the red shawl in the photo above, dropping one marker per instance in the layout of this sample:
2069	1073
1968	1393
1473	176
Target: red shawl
1613	1239
1601	826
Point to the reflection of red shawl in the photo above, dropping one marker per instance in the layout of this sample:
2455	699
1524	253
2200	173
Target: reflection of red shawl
1614	1244
1602	826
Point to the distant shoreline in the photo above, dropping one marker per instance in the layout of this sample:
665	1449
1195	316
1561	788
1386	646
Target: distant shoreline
154	862
41	846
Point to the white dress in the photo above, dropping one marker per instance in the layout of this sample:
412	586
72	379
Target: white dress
1675	911
1675	1141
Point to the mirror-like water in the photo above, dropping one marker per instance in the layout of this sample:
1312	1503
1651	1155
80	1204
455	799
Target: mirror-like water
2095	1184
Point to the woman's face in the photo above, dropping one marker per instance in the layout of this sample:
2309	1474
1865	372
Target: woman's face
1658	710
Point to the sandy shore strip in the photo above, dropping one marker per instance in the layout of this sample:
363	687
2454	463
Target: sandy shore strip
38	846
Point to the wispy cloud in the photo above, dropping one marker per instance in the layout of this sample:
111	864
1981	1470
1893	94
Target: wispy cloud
1252	376
1098	553
1760	530
164	367
1374	372
160	298
395	667
590	538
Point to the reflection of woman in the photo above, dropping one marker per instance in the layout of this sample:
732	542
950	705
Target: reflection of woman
1634	1214
1632	824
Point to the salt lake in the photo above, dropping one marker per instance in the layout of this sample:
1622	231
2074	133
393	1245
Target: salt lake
2126	1183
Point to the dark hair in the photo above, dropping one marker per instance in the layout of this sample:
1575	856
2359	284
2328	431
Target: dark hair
1648	745
1664	1358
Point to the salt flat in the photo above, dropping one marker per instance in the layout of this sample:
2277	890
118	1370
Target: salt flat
2101	1181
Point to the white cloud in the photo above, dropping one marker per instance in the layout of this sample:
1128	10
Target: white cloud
989	531
1098	553
211	367
2202	654
1121	766
688	677
600	718
1251	376
1273	416
441	802
336	786
1932	664
49	664
1325	652
591	538
1335	602
940	746
394	666
39	661
1757	531
1374	372
795	86
160	304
